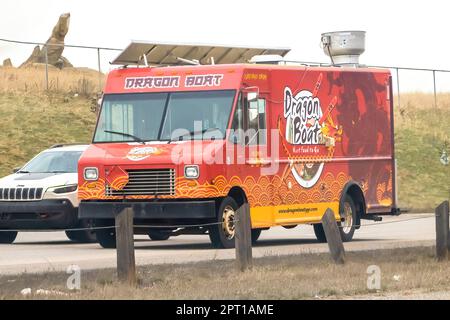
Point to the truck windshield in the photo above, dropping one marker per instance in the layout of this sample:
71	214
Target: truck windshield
163	116
53	162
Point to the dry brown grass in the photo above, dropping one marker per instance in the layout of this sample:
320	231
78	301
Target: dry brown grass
423	100
293	277
32	79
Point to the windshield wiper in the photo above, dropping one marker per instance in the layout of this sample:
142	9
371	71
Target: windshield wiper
23	171
192	133
125	135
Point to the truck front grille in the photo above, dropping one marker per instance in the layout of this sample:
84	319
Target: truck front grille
152	182
21	194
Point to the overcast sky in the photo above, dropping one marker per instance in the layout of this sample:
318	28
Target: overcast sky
404	33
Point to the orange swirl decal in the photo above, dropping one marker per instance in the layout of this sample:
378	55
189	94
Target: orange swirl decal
261	192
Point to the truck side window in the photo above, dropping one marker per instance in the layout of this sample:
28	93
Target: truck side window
256	122
237	125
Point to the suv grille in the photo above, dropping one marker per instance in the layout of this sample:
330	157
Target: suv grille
147	182
20	194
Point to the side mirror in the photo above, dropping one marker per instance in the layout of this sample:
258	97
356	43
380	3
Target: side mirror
252	96
16	169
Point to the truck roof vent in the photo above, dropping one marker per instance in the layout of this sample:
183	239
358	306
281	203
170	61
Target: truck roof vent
267	59
344	47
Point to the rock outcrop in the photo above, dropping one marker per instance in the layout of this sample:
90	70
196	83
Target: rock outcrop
54	46
7	63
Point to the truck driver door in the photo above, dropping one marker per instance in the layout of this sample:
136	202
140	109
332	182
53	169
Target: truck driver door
249	135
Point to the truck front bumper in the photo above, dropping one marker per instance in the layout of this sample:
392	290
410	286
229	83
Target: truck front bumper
158	210
35	215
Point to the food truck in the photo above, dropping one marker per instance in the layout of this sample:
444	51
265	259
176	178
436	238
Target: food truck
192	132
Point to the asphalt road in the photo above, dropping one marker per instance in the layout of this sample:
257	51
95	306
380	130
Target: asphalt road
51	251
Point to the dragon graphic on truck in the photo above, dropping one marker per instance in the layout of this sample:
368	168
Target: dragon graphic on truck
308	129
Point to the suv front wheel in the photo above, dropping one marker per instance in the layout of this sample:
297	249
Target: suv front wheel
83	236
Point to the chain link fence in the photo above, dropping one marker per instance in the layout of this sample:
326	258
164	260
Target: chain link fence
421	109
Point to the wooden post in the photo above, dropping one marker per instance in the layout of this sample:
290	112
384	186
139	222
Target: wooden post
442	226
333	237
126	265
243	240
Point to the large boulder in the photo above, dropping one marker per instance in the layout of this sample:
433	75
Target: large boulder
54	46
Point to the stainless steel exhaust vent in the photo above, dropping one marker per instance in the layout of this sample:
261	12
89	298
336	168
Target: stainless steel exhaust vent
344	47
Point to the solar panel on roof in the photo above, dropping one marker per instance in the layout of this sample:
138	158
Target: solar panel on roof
173	54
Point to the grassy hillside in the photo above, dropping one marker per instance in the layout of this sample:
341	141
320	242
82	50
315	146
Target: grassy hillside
32	120
421	132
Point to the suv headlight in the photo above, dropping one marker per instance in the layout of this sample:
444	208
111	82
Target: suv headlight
90	174
64	189
191	172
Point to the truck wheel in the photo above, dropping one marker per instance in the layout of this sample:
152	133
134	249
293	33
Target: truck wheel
347	228
106	237
158	235
83	236
255	235
7	237
222	234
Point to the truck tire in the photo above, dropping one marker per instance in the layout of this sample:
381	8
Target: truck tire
255	235
83	236
7	237
222	234
346	228
106	237
158	235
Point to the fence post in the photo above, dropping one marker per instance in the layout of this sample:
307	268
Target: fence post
243	238
46	67
99	71
398	87
442	229
434	88
126	265
333	236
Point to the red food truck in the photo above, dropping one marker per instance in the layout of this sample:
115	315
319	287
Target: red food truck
197	131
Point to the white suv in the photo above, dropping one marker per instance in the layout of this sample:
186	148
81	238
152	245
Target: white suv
42	195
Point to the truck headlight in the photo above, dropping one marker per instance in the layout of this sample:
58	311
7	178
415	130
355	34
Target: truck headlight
65	189
191	172
90	174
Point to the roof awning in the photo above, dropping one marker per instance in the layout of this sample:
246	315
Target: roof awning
177	54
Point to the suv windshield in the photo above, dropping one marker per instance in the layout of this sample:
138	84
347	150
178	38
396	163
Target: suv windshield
54	162
160	116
